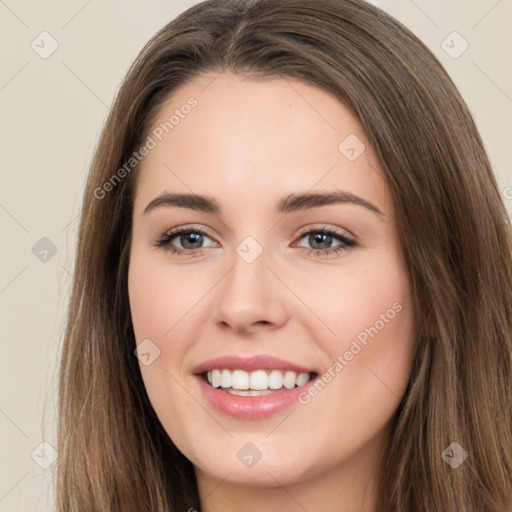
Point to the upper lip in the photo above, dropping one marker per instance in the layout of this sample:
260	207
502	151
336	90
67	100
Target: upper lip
252	363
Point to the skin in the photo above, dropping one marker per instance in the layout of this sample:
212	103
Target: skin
248	144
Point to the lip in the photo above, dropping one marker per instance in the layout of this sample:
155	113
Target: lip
249	364
250	407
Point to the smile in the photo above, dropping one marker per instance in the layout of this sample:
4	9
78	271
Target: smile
256	383
253	387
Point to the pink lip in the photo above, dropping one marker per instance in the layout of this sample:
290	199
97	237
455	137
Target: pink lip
249	364
251	407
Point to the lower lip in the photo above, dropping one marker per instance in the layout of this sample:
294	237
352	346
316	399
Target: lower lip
250	407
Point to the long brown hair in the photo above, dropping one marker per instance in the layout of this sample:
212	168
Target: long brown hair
452	225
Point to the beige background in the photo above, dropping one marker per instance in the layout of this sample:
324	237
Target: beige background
52	110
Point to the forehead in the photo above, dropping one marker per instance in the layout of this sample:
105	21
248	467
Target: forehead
247	141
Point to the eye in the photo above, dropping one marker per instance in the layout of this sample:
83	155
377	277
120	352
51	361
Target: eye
191	241
321	241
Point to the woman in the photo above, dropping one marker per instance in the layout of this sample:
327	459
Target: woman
369	372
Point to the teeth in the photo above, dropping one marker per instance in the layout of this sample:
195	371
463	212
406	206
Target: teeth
225	379
215	379
240	382
249	392
302	378
289	380
239	379
275	379
258	380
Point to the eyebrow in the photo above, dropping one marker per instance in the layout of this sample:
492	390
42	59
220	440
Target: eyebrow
291	203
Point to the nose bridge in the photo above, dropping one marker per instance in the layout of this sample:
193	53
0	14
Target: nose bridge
249	293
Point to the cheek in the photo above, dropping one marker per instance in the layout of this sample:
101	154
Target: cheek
159	298
371	356
160	295
374	346
363	302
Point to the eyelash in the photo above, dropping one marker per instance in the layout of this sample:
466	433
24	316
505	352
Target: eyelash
165	241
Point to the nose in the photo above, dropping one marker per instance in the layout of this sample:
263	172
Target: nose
251	298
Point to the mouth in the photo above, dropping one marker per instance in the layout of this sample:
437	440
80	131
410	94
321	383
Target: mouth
256	383
252	387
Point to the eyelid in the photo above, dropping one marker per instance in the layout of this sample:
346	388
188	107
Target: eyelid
190	227
323	227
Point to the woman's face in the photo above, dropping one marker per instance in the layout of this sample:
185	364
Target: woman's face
260	297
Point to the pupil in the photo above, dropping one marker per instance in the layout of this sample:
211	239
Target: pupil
188	236
318	238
